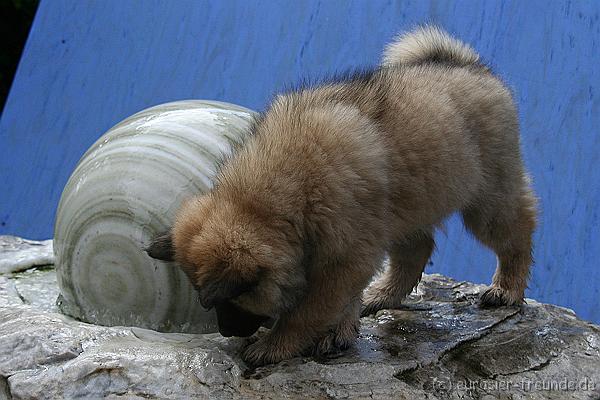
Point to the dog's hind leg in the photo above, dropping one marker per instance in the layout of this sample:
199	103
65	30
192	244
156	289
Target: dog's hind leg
507	229
408	258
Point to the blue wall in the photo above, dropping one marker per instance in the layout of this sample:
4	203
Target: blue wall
89	64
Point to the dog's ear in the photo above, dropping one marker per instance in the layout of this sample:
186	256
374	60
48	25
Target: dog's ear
161	247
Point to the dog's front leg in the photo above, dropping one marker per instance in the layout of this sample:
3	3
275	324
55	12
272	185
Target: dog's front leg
334	288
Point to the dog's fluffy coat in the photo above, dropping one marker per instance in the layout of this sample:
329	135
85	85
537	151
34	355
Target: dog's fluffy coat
336	176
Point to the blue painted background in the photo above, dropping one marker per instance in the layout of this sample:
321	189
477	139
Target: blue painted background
89	64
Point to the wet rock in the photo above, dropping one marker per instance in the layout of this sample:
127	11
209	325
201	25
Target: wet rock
439	345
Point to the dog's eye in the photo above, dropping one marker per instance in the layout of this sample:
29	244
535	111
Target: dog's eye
239	287
220	291
243	288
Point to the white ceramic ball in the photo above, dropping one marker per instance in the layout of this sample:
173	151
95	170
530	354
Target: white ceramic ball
125	189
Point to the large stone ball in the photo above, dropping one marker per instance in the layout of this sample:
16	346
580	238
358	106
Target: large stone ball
125	189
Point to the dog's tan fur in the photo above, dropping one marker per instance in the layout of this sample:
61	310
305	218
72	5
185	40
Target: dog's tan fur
336	176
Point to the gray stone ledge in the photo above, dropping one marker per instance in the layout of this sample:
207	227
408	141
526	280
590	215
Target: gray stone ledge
440	345
17	254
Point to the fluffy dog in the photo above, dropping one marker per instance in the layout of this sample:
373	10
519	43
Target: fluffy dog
335	176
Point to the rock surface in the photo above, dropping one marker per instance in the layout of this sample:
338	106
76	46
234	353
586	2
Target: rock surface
440	345
18	254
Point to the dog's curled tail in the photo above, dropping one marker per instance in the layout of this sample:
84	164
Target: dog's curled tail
428	44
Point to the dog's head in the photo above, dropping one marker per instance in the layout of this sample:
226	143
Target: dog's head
238	261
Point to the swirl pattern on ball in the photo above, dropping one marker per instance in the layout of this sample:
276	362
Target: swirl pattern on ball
125	189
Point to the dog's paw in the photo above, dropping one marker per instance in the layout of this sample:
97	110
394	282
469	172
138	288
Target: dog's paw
377	297
495	296
370	308
340	338
374	300
266	350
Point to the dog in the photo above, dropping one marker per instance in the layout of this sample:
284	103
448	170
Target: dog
333	177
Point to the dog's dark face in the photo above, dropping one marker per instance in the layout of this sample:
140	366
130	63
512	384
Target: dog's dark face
218	292
239	265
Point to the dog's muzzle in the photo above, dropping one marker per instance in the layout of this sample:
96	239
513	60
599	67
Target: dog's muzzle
234	321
